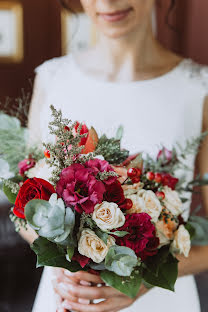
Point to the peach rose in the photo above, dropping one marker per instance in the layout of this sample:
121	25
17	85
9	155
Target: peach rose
108	216
146	201
182	241
91	246
172	201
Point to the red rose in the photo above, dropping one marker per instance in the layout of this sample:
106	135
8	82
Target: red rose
31	189
142	235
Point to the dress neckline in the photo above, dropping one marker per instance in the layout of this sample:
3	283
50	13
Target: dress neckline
127	83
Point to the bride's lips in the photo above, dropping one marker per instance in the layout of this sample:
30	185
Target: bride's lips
115	16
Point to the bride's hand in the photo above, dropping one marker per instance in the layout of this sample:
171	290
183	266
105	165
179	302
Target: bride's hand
78	290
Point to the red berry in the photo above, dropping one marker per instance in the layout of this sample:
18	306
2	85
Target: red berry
160	195
139	172
128	203
132	172
47	154
66	128
158	177
135	180
150	175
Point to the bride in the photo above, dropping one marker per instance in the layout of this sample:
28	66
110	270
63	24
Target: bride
128	78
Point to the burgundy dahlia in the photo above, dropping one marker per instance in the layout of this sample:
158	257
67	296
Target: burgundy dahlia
79	188
142	235
98	165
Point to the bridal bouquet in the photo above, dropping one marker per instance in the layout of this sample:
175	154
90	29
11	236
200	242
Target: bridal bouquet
96	208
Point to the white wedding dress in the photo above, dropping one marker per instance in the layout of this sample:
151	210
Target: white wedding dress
155	112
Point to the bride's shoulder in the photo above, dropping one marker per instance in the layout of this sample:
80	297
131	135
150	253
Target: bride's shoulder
53	66
195	72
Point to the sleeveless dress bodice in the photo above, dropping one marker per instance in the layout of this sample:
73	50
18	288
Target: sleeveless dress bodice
154	113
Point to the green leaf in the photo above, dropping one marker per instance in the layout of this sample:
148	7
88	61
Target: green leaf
119	133
153	263
9	194
102	235
191	230
200	226
49	254
119	233
70	251
166	275
127	285
121	260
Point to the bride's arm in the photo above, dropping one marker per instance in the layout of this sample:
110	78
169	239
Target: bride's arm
198	260
34	136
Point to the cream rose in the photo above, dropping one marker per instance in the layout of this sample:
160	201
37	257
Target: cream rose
172	201
108	216
132	189
91	246
146	201
41	170
182	241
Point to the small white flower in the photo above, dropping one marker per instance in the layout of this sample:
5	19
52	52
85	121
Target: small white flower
91	246
182	241
41	170
172	201
108	216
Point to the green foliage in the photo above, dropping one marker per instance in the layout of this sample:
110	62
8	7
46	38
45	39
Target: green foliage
61	156
70	252
51	219
161	270
198	229
13	138
11	190
111	150
127	285
119	233
102	235
50	254
179	157
18	223
121	260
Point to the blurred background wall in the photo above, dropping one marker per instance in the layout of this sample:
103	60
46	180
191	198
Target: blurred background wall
48	32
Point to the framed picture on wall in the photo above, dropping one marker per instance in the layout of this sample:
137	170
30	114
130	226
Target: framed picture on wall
11	32
77	32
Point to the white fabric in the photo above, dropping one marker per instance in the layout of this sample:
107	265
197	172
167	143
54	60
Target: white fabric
154	112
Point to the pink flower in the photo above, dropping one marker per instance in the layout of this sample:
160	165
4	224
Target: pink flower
165	156
25	165
142	235
96	165
79	188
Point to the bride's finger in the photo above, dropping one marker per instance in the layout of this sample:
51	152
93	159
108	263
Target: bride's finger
91	293
60	293
84	276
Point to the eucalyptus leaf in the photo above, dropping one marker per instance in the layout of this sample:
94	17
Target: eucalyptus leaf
121	260
51	219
